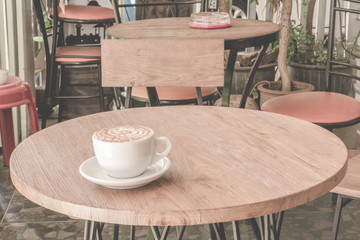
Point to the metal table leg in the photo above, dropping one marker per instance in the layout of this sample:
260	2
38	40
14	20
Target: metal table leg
236	230
229	71
268	227
158	235
220	231
93	230
229	75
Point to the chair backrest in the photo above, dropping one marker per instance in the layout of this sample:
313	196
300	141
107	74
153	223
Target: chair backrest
340	74
45	29
162	62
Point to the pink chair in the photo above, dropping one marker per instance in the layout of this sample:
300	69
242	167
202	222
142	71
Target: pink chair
12	94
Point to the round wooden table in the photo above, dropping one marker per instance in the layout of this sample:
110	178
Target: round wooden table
242	34
227	164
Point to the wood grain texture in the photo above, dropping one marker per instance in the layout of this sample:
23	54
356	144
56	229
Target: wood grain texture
179	28
227	164
350	185
162	62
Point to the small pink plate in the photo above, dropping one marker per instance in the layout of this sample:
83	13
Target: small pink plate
11	82
210	26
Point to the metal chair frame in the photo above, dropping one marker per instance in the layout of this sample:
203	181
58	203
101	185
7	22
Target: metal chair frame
330	70
52	64
342	200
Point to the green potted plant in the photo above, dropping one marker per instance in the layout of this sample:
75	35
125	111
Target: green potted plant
286	85
306	59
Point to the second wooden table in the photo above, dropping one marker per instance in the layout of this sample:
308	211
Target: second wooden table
243	33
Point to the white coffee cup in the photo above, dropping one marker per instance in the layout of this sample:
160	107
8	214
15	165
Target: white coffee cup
3	76
126	151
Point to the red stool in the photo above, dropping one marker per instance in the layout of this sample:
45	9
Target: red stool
12	94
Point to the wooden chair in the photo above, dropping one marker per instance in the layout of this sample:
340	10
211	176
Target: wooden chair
73	51
348	189
162	63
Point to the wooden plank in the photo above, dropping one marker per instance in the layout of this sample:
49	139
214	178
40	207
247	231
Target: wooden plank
162	62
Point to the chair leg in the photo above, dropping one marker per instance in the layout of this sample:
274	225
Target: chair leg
101	90
255	228
236	230
337	217
45	112
32	111
199	96
212	232
46	93
118	102
7	134
61	92
87	229
180	232
334	197
342	201
33	118
132	232
49	90
116	232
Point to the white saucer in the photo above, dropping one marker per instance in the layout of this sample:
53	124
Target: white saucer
91	170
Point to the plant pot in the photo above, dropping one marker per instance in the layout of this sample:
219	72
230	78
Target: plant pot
268	90
316	75
241	75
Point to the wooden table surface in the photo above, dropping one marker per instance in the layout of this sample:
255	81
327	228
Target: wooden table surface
227	164
252	32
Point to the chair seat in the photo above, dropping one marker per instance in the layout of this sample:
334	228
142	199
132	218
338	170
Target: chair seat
86	13
78	51
350	185
323	108
174	93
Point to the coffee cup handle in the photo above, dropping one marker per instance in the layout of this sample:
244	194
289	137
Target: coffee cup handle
159	156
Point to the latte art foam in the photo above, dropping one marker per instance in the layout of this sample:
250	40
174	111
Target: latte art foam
123	133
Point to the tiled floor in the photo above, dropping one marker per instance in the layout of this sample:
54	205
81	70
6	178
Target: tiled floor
22	219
